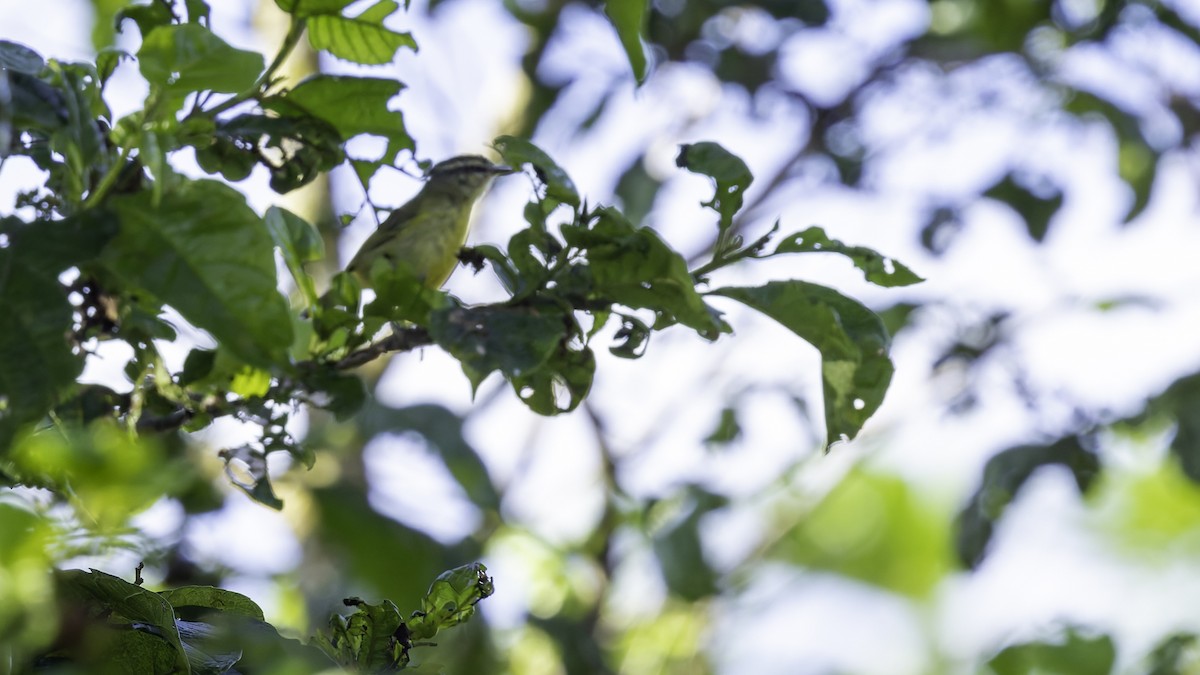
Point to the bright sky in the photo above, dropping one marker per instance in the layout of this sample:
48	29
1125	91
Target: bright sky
939	145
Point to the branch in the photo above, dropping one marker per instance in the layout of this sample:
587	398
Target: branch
402	340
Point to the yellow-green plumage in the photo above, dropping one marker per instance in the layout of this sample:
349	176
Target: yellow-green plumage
426	234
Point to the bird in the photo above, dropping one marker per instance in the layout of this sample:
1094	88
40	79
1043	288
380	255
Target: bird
426	233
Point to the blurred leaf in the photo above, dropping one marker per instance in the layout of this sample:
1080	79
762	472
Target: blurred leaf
632	338
252	463
637	190
1077	655
360	39
633	266
181	59
680	551
444	432
560	384
340	393
147	16
629	18
1035	210
513	340
390	559
731	174
16	57
1137	165
1003	477
205	253
1175	655
853	343
873	528
517	152
727	429
878	269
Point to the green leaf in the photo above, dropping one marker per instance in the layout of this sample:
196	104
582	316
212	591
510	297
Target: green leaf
451	600
295	149
299	242
18	58
876	529
361	39
560	384
518	152
126	601
178	60
1174	655
36	358
1077	654
513	340
185	600
325	97
727	429
1003	477
629	18
254	463
305	8
633	336
731	174
147	16
855	367
634	267
1035	210
205	253
876	268
680	551
339	393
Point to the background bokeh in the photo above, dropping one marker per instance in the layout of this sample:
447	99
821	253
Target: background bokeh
1034	160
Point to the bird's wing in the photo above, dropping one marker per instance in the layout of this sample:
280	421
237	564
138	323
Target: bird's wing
392	227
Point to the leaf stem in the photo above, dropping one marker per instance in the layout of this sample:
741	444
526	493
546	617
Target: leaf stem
110	178
295	32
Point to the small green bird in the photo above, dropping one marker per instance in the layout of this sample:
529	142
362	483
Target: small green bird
426	234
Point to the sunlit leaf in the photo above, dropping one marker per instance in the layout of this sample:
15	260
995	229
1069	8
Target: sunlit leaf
517	152
877	268
180	59
361	39
855	367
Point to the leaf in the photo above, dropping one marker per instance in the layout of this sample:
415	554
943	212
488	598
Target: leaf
295	149
451	600
560	384
127	601
180	59
325	97
1173	655
874	528
361	39
305	8
680	551
1078	655
876	268
629	18
513	340
36	358
18	58
339	393
1003	477
1034	209
633	337
254	463
855	367
731	174
727	429
444	432
298	242
205	253
518	152
185	600
634	267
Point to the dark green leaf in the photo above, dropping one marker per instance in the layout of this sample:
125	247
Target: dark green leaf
247	462
188	598
305	8
339	393
178	60
361	39
1078	655
679	550
299	242
727	169
634	267
633	336
295	149
147	16
205	253
107	60
513	340
1174	655
325	97
560	384
876	268
1003	477
1036	210
517	152
727	429
629	18
855	367
124	600
197	366
18	58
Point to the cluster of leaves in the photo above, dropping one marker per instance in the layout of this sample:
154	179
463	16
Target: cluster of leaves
111	625
115	238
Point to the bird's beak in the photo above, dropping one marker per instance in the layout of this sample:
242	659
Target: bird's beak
501	170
